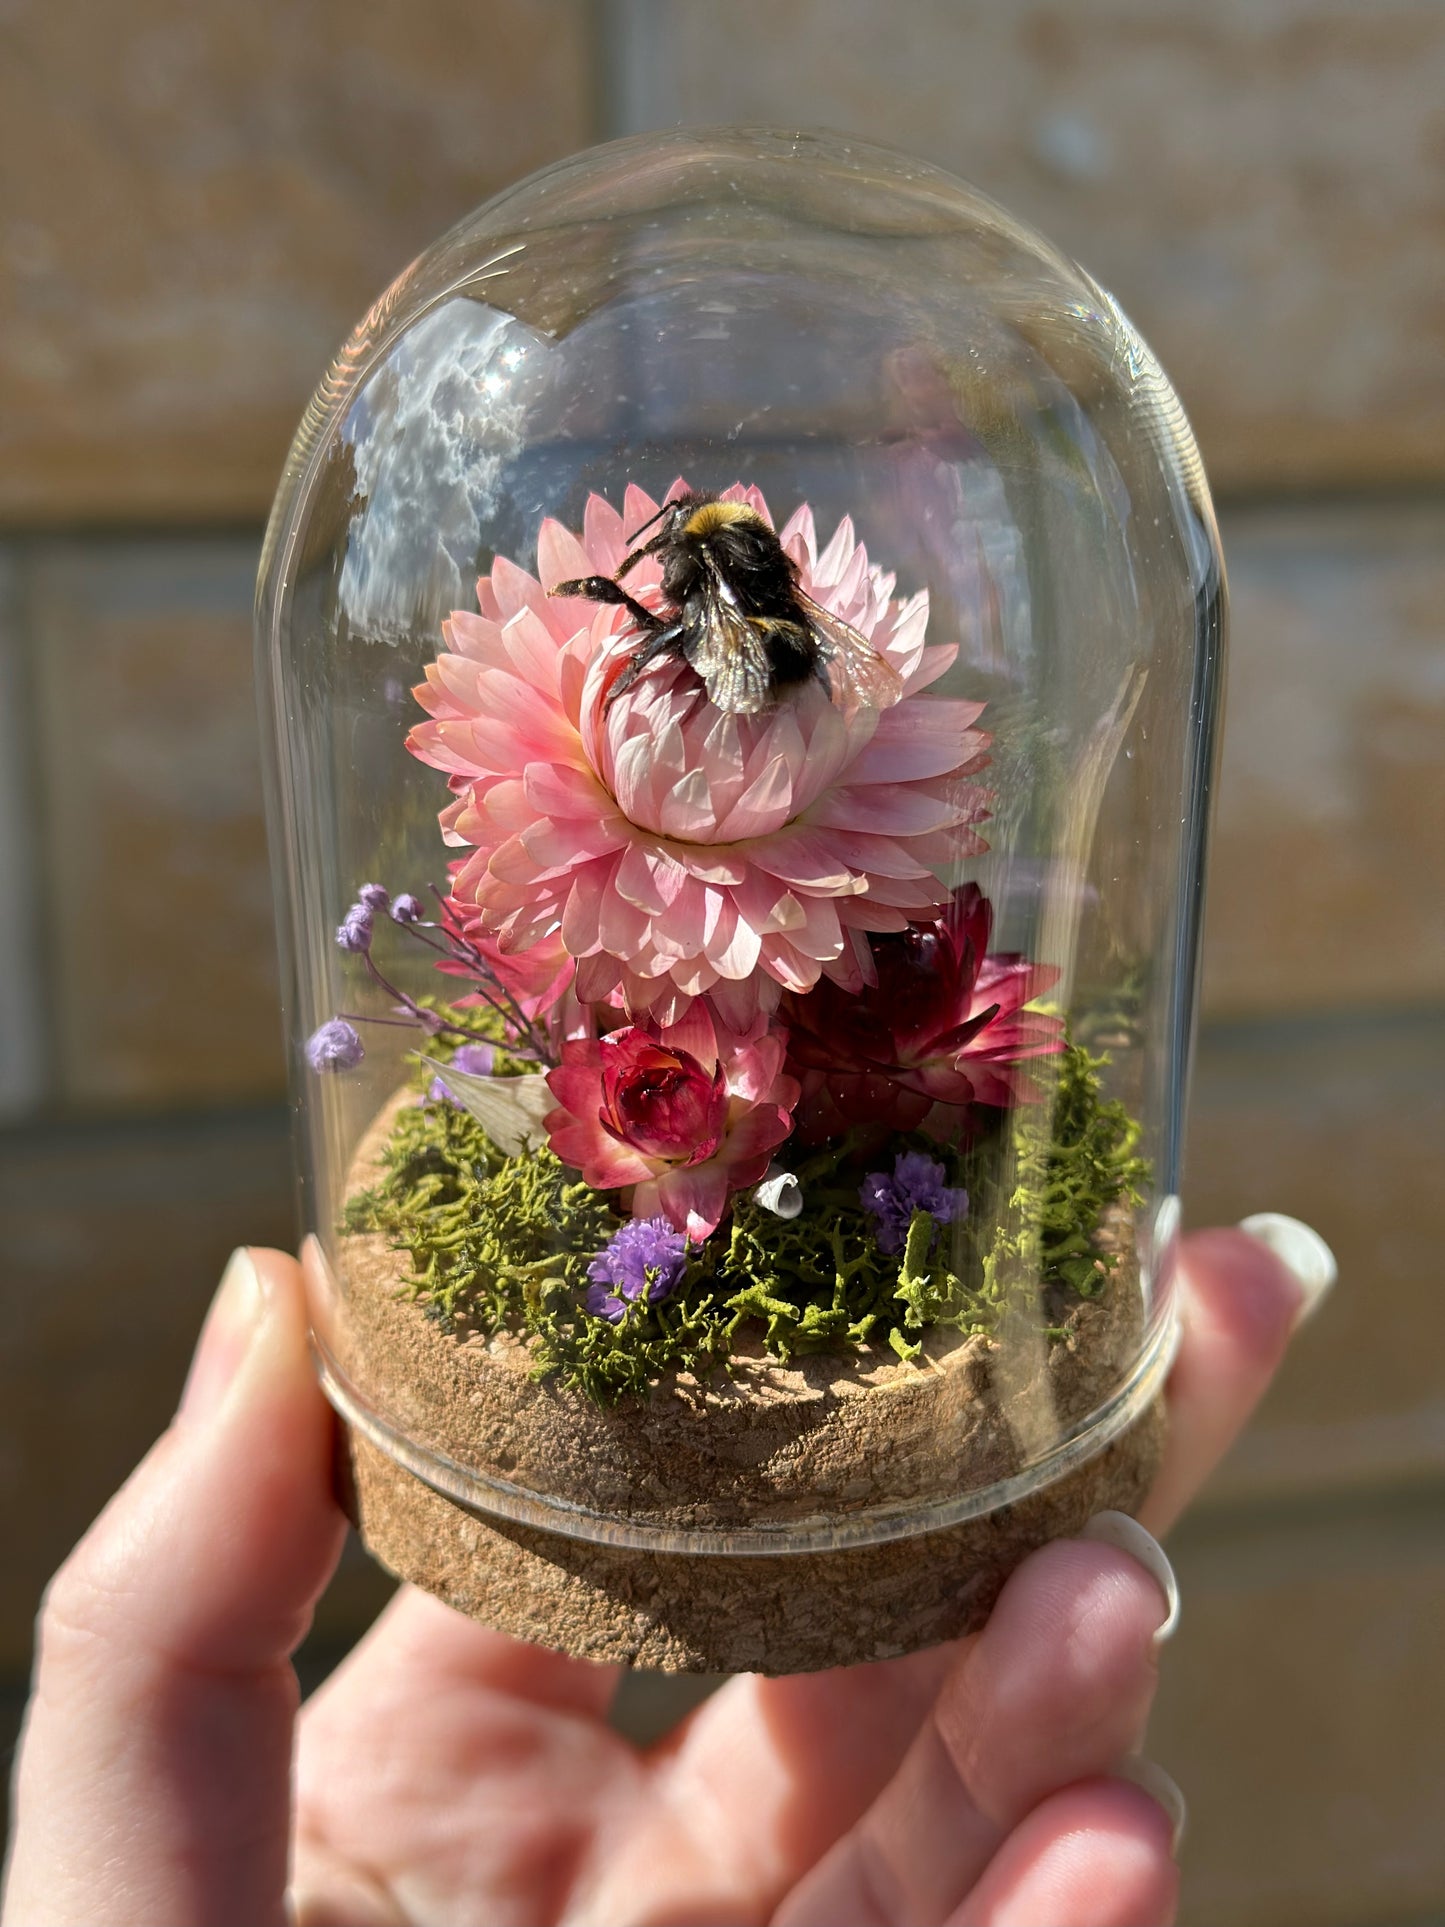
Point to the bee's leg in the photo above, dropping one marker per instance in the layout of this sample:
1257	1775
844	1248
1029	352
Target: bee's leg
601	588
655	646
654	547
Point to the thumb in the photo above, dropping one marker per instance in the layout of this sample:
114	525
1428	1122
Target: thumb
154	1774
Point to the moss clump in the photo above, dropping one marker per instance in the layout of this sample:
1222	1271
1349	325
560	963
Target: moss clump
1066	1162
499	1243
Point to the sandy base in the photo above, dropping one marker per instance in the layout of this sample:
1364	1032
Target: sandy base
713	1613
802	1447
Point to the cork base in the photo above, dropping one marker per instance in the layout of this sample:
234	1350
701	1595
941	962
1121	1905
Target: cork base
718	1613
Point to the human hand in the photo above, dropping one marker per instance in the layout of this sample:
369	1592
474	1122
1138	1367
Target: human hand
450	1775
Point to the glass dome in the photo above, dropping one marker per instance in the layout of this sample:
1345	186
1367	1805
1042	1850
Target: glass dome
740	635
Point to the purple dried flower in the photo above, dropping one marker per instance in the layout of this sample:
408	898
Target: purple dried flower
334	1046
354	930
475	1059
407	909
917	1184
645	1260
375	897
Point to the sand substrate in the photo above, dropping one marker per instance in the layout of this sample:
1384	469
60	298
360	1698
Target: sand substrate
806	1448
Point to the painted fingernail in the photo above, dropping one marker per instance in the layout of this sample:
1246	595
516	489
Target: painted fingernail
230	1326
1151	1778
1124	1534
1302	1251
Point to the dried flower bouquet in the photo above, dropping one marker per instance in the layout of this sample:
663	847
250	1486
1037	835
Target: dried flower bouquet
727	1061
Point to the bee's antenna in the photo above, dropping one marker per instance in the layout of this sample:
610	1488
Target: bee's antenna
665	509
650	520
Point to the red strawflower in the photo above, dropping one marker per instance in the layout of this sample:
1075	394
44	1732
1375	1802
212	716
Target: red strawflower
943	1027
683	1118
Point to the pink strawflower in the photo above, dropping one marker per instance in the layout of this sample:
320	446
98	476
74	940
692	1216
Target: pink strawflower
945	1026
678	850
684	1119
537	980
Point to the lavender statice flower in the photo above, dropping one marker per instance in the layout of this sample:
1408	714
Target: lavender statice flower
407	909
917	1184
376	897
334	1046
475	1060
354	930
645	1260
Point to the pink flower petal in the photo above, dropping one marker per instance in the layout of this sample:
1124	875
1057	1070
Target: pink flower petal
918	740
502	809
513	863
581	920
474	636
495	746
764	807
696	1033
514	589
746	1151
811	858
740	1005
888	809
693	977
624	930
798	538
686	811
533	653
650	877
834	559
863	913
711	865
561	790
456	679
932	663
677	931
693	1198
556	848
821	933
603	537
734	946
638	507
560	556
597	977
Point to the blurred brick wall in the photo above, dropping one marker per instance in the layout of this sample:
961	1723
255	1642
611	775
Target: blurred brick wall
196	202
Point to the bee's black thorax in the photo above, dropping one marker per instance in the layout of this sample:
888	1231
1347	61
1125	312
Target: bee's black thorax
757	575
749	560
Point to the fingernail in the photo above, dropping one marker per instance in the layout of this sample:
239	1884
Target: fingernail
1151	1778
230	1326
1126	1535
1303	1253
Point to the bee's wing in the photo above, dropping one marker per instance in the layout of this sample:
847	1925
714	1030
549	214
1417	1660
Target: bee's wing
856	675
730	655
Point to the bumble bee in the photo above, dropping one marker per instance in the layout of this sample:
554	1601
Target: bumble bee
736	614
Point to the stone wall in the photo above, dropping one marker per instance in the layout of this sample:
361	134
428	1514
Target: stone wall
196	202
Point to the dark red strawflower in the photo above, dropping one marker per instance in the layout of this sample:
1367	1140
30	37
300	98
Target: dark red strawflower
944	1027
661	1102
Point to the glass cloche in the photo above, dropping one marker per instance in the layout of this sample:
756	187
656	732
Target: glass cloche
740	639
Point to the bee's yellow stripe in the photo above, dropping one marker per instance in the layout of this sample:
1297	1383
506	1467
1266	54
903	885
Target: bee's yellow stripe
717	515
